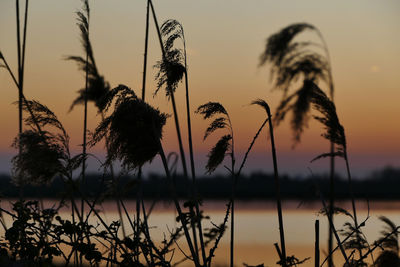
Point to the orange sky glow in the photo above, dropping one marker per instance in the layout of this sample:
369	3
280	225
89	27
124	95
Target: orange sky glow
224	40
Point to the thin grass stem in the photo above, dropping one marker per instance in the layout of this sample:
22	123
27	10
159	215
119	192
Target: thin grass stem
278	191
178	132
316	243
178	208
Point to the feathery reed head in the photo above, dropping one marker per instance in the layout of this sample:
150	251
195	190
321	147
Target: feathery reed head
210	109
170	71
329	118
43	153
97	86
299	105
172	30
134	129
390	235
40	158
357	239
263	104
279	44
290	61
311	66
41	116
217	153
172	67
387	258
218	123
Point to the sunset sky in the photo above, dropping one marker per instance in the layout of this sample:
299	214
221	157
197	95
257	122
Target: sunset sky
224	41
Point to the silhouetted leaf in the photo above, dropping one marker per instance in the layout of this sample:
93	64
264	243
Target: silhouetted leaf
325	155
336	210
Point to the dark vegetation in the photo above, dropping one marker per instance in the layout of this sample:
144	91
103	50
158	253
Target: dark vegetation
380	185
132	130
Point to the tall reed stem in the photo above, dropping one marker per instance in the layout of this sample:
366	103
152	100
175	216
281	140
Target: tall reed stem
191	153
334	231
178	131
332	148
278	191
331	203
181	150
182	218
316	243
139	197
85	115
21	68
19	71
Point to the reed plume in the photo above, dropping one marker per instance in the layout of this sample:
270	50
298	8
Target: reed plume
389	241
291	60
172	31
44	154
171	71
224	146
132	129
334	132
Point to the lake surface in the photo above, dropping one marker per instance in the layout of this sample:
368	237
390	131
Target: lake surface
256	226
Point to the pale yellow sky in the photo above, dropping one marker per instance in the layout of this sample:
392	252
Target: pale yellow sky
224	39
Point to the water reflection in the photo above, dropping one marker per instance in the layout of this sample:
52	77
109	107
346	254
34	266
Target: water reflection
256	226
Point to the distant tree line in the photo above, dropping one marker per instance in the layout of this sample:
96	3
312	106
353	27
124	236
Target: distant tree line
380	184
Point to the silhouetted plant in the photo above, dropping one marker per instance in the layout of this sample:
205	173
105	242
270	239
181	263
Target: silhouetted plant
390	235
334	130
27	240
387	258
285	261
225	144
171	71
291	60
21	65
134	129
172	30
356	241
43	154
335	134
96	88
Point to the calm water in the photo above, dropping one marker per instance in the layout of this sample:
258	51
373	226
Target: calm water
256	226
